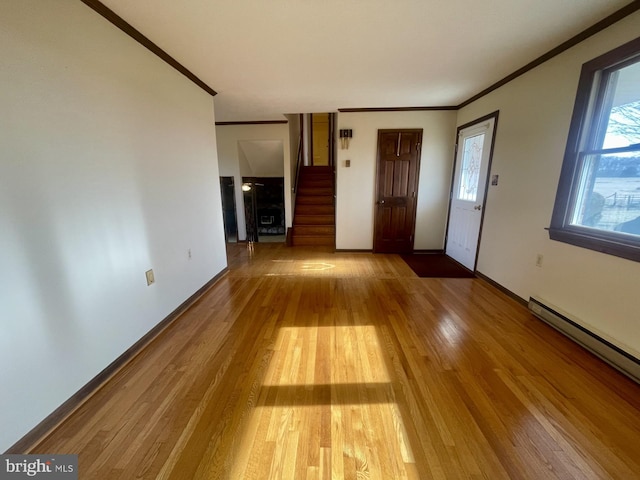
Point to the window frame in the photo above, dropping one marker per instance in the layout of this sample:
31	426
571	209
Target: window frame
583	128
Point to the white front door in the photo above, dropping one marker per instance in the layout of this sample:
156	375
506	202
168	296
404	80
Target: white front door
468	191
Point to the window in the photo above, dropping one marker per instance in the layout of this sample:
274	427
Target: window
598	200
470	168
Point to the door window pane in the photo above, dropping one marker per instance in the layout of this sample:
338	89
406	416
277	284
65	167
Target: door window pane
470	171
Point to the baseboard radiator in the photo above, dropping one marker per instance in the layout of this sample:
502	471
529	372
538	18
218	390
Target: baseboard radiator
613	355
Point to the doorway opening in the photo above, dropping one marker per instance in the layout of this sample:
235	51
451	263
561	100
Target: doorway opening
264	208
321	139
474	150
229	217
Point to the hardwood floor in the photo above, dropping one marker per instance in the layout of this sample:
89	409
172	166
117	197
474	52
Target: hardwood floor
306	364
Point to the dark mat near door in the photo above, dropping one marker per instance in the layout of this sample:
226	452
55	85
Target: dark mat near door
436	265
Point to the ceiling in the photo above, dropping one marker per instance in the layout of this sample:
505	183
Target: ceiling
266	58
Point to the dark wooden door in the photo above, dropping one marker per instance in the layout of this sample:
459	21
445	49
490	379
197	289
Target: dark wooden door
397	190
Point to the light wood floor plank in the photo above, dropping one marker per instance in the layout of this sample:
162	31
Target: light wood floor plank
304	363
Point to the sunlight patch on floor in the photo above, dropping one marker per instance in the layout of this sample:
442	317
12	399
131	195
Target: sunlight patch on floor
326	412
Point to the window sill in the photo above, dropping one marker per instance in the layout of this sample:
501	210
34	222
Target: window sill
610	244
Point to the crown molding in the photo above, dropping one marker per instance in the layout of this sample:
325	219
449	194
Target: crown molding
572	42
120	23
255	122
395	109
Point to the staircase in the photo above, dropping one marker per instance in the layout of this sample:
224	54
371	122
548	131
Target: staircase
314	218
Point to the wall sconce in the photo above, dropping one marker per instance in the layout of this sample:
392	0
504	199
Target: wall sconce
345	137
246	187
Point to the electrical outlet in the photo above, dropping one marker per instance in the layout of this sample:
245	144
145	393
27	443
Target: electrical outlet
150	278
539	259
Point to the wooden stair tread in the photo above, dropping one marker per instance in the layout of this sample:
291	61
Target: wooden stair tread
301	230
313	191
314	218
311	209
315	199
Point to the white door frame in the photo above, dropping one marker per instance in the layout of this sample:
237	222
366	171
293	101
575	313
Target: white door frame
475	123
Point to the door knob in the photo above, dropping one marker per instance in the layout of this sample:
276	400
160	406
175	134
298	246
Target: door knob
381	202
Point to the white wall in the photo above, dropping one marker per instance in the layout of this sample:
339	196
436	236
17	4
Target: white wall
108	168
230	162
355	208
535	112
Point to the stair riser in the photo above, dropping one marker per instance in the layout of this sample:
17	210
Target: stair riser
301	230
313	241
315	191
316	181
316	178
316	170
314	209
314	220
315	200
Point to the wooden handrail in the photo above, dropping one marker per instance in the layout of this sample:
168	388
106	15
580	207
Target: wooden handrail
298	162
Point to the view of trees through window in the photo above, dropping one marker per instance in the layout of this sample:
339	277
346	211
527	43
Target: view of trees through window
598	200
610	198
615	198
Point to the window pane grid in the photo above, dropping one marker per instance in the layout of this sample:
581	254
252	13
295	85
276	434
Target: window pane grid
598	200
608	193
620	112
